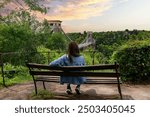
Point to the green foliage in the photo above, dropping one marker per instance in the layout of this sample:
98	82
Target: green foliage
91	57
133	58
80	40
101	58
21	38
17	38
108	42
44	31
55	54
45	54
74	36
106	49
57	42
88	58
23	17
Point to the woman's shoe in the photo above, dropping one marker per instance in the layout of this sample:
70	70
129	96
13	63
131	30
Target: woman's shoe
69	91
78	91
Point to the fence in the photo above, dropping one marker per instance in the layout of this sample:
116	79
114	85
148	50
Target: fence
19	59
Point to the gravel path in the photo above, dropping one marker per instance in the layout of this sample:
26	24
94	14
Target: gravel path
22	91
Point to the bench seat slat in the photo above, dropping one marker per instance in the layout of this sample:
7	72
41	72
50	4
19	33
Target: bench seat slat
89	80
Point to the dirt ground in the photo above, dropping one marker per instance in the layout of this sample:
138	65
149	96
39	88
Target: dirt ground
89	92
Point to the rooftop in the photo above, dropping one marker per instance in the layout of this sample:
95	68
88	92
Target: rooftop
54	21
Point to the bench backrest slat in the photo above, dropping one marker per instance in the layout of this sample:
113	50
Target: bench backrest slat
73	68
75	73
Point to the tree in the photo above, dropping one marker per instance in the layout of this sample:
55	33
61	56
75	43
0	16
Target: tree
57	42
23	17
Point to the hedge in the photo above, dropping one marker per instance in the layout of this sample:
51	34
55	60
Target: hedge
134	60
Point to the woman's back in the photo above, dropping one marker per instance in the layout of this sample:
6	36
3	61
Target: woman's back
64	61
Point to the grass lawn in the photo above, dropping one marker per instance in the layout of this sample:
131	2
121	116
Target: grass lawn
18	78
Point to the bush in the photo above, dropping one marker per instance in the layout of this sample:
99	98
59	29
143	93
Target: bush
134	60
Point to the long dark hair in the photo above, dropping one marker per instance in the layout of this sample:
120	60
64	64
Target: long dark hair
73	51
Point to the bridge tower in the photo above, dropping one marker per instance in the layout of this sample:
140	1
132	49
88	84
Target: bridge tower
89	41
56	27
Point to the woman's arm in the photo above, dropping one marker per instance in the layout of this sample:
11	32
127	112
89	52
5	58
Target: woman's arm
58	62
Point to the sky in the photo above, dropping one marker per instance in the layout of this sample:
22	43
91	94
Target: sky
98	15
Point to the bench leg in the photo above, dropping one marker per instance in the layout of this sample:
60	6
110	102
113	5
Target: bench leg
35	87
44	85
2	70
4	81
119	90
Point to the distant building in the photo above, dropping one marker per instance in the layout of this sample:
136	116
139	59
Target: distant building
55	25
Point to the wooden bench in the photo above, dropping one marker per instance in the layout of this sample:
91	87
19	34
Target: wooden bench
95	74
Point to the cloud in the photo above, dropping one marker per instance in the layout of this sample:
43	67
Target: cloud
124	0
120	1
76	9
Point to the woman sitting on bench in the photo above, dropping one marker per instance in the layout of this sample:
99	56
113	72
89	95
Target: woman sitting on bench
72	58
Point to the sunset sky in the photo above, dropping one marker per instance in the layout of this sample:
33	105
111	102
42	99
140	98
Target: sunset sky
100	15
